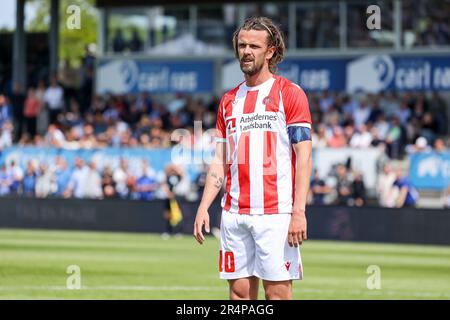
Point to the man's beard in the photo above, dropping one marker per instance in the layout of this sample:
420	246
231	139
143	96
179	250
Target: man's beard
250	69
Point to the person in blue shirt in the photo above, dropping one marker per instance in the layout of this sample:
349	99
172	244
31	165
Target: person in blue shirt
63	174
408	195
146	184
5	181
5	110
29	180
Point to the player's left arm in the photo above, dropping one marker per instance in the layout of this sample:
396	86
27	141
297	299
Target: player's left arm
298	228
298	121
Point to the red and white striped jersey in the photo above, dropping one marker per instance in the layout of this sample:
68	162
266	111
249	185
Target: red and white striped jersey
253	122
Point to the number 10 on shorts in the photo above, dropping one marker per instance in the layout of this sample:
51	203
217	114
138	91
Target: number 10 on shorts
226	261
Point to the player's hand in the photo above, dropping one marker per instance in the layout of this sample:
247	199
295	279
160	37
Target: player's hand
202	218
297	229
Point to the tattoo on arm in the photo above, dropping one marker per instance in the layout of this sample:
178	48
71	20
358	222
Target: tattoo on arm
218	180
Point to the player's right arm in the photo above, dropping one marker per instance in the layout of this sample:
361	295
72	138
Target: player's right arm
214	180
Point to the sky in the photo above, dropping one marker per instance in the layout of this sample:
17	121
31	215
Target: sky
8	13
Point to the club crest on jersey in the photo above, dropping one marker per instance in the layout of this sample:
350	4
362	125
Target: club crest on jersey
267	101
231	125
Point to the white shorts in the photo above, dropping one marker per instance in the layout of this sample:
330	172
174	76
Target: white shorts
256	245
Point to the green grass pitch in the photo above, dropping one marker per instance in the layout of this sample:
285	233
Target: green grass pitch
33	265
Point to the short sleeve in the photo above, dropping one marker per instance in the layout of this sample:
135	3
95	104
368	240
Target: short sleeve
220	124
296	106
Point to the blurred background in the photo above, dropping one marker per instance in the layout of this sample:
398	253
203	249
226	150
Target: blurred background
91	92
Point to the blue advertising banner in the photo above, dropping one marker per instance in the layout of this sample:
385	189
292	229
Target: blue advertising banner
374	73
315	74
430	170
367	73
158	159
122	76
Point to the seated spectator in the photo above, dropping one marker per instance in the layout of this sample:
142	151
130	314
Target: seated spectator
362	138
31	111
439	145
29	180
146	184
361	113
385	187
420	146
55	137
5	111
337	140
359	190
394	139
118	44
93	182
121	177
408	195
16	173
108	184
5	180
78	180
54	99
6	135
45	182
63	174
343	186
318	189
135	44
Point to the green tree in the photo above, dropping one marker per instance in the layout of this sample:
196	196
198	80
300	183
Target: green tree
72	42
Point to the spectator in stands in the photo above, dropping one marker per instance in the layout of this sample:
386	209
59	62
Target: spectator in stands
78	180
146	184
404	113
108	184
45	182
121	177
362	113
43	116
29	180
318	189
93	187
408	195
135	44
382	126
6	132
337	140
5	180
16	174
439	145
385	187
394	139
319	139
31	111
63	174
358	190
118	44
5	111
343	186
55	137
54	99
17	104
362	138
420	146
